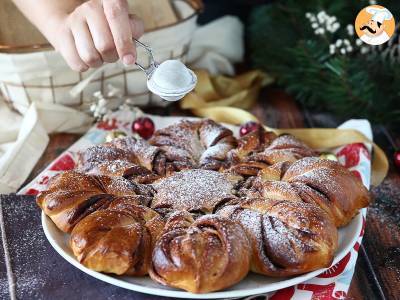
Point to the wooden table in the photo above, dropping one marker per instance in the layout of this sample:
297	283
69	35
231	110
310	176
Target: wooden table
377	275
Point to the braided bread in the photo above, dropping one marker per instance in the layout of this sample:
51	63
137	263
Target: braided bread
260	149
329	185
200	256
324	183
195	144
71	196
118	239
197	209
127	157
287	236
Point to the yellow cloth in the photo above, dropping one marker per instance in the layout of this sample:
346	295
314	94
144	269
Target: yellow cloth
241	91
224	100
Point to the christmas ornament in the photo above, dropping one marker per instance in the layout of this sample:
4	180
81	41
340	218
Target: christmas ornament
248	127
396	159
144	127
115	134
328	155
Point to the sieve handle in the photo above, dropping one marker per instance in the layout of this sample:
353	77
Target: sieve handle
153	65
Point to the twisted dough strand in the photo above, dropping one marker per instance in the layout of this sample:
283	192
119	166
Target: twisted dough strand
200	256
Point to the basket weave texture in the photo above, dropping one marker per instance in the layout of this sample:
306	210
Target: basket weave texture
43	76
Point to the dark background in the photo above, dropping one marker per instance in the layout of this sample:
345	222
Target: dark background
218	8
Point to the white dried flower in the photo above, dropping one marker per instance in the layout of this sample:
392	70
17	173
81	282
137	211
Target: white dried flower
364	50
372	2
332	49
359	42
102	102
342	46
323	23
98	94
333	27
336	26
321	15
350	29
103	110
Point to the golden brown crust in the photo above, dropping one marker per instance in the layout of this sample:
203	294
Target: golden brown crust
267	198
195	144
72	195
288	237
329	185
275	171
277	190
123	168
285	148
209	254
118	239
127	157
260	149
253	142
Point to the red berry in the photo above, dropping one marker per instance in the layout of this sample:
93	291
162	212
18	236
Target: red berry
396	159
248	127
144	127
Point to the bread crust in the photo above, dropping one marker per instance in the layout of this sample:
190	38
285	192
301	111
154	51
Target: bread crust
198	209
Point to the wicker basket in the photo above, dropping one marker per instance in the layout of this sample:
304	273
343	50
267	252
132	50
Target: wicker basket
36	73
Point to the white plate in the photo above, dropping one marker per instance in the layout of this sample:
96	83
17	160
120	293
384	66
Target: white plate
253	284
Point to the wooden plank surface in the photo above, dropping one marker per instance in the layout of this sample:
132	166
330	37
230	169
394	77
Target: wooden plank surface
377	274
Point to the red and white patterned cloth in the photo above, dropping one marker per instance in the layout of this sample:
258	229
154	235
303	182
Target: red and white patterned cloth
332	284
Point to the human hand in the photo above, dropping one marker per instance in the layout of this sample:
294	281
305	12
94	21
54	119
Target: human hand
97	31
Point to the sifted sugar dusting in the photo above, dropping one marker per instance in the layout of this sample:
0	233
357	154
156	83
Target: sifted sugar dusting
289	141
25	242
198	142
172	75
193	190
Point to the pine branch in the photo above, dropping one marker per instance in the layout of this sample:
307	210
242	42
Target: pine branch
352	85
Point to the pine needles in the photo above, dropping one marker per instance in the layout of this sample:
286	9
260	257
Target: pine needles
360	83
